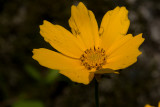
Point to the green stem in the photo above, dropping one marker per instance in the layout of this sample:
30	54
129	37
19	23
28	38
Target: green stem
96	94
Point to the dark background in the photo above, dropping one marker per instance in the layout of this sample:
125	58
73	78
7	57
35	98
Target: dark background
25	83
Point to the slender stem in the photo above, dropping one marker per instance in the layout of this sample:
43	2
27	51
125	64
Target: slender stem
96	94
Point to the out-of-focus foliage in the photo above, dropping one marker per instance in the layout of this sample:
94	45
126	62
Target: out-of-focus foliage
33	72
52	76
23	82
28	104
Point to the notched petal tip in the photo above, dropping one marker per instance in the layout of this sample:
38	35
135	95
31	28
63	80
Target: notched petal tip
35	51
140	38
46	24
40	26
73	7
116	8
45	21
141	35
80	4
124	8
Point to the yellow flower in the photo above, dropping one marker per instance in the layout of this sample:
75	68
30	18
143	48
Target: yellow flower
147	105
89	50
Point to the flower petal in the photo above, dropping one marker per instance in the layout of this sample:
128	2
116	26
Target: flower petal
147	105
61	39
124	52
54	60
114	25
84	25
78	75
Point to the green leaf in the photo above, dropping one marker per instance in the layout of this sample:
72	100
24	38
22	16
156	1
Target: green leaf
52	76
28	103
33	72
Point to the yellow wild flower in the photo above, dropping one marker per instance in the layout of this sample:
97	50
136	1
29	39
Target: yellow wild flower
147	105
88	50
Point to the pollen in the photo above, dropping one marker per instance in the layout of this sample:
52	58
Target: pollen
93	58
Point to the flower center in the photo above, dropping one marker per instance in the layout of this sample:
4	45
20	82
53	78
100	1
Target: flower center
93	58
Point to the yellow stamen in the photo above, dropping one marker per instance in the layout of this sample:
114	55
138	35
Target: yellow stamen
93	58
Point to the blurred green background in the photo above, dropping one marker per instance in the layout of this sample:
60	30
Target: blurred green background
25	83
